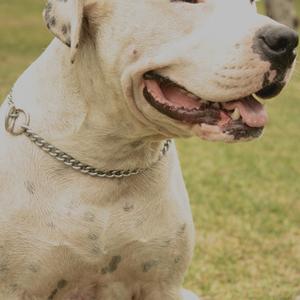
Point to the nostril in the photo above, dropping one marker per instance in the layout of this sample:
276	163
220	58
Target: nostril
280	39
278	45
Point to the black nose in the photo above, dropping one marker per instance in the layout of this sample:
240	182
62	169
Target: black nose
278	43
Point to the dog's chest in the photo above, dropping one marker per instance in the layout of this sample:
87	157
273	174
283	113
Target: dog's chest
73	246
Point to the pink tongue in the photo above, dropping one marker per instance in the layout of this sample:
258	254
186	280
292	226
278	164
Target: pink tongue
171	95
253	113
177	96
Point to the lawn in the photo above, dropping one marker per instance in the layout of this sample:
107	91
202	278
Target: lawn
245	197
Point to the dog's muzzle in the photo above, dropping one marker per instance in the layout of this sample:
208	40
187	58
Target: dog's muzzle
242	118
276	44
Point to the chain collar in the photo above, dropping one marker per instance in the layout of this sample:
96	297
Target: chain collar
15	113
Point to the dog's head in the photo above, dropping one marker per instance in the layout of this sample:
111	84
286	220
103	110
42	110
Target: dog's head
185	67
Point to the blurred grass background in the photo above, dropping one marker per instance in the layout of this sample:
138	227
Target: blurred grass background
245	197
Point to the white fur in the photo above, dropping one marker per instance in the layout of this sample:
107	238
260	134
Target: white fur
114	239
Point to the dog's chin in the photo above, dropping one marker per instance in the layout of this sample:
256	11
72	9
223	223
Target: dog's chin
237	120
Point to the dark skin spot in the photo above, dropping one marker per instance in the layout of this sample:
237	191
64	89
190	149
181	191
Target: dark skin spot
60	285
113	265
50	225
68	43
49	6
13	287
33	268
52	22
47	11
64	29
147	266
96	250
128	207
89	217
182	229
3	267
166	243
53	294
137	144
177	259
69	27
30	187
93	236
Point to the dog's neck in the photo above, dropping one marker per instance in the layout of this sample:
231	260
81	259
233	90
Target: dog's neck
83	114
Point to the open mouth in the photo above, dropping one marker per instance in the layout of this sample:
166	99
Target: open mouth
242	118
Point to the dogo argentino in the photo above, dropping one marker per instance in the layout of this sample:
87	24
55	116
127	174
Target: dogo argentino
93	204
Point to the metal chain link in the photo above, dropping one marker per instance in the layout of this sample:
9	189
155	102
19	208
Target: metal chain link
10	98
65	158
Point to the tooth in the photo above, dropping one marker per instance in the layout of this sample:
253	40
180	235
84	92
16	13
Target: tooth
236	114
256	97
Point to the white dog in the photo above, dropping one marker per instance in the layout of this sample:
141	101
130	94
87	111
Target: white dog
120	79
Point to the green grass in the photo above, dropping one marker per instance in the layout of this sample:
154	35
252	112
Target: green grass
245	197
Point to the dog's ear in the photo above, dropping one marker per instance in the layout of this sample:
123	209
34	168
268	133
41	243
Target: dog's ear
64	19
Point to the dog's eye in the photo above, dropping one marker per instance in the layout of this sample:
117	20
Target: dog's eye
188	1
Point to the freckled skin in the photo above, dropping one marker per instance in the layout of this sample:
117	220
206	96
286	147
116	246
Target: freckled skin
30	187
